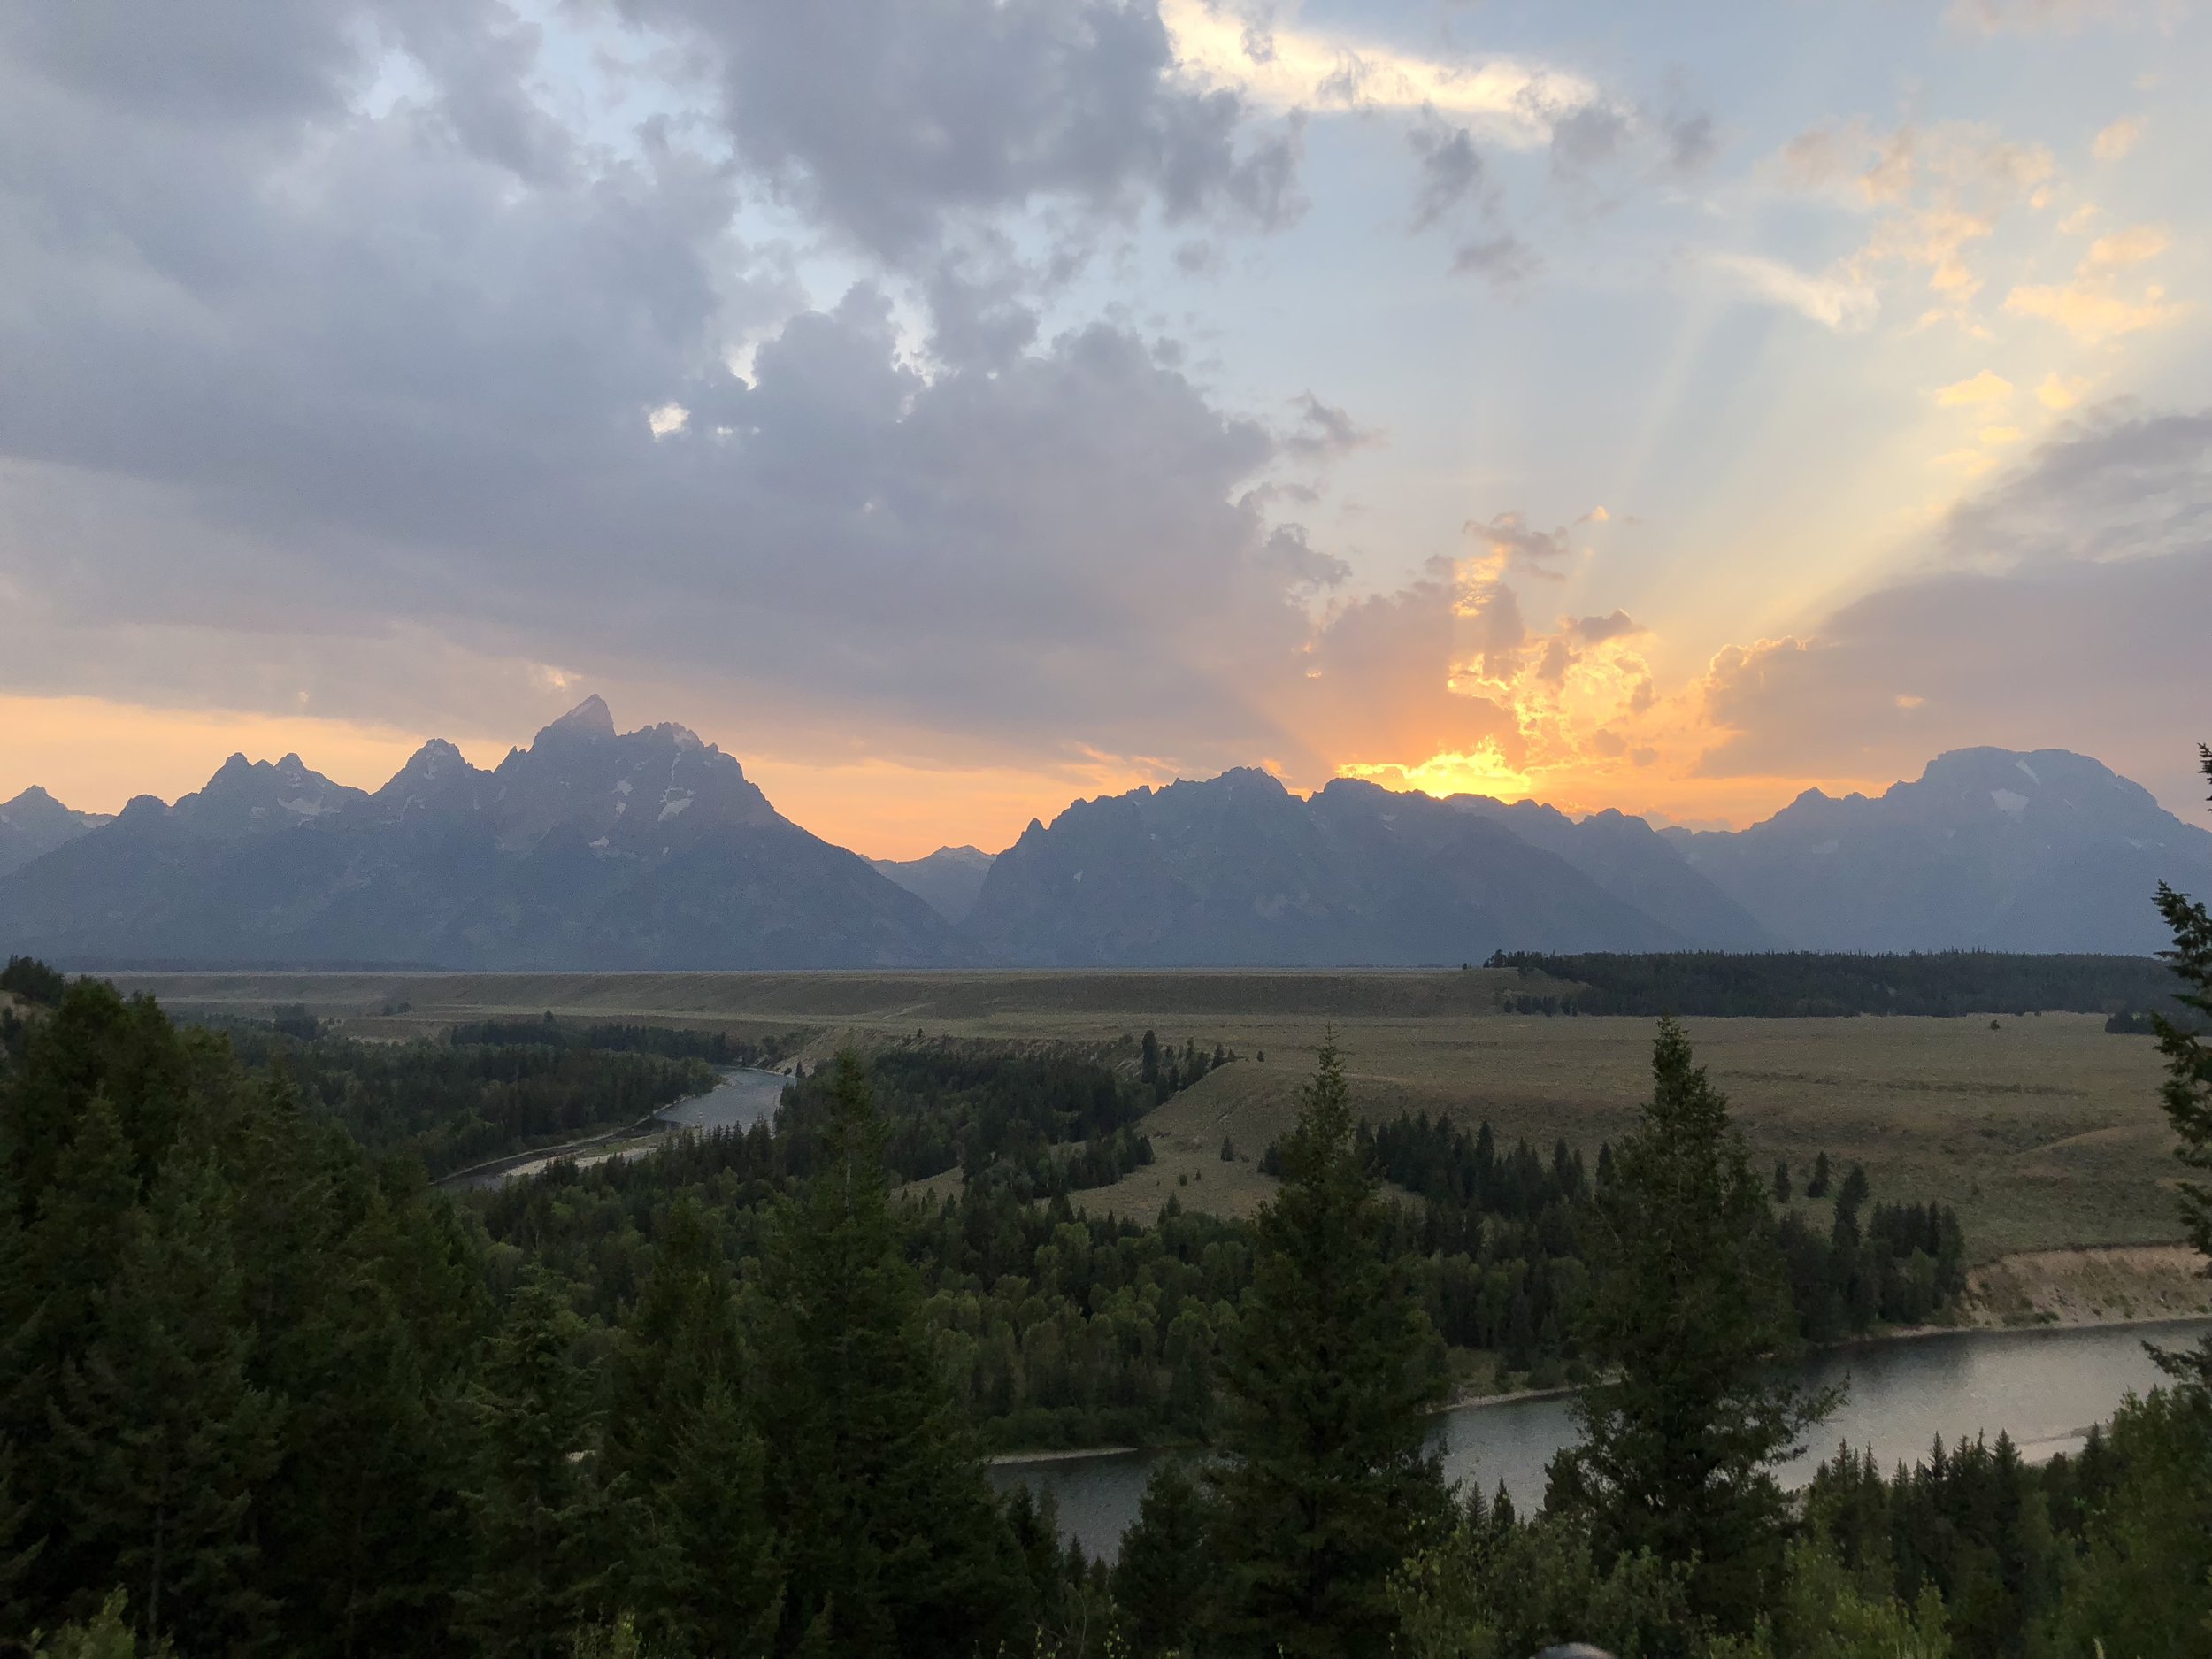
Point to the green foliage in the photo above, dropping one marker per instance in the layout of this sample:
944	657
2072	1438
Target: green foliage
34	981
108	1635
533	1498
875	1483
452	1105
1042	1123
2187	1092
2142	1586
1164	1574
1321	1483
684	1461
1823	1612
1687	1311
1497	1588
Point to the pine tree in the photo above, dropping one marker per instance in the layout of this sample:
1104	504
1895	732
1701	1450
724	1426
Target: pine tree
685	1461
1687	1308
892	1541
167	1439
1323	1483
534	1501
2187	1091
1163	1573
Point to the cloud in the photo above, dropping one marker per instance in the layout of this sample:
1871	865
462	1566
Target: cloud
893	119
1451	172
2118	484
1515	102
1984	388
1935	193
2092	307
397	407
1504	259
1324	433
1838	302
1993	17
2060	393
2118	139
2087	565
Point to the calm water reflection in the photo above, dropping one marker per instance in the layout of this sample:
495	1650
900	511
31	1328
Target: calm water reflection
2043	1388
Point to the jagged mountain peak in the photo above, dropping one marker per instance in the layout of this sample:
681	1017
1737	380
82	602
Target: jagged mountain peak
248	797
34	824
33	804
589	718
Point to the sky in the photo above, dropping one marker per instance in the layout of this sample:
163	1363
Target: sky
953	408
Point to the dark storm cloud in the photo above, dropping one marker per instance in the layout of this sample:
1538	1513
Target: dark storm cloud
2097	558
297	391
891	118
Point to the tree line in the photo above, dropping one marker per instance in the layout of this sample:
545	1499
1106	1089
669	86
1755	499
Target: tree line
1833	984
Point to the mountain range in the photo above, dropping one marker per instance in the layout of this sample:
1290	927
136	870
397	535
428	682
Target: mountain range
594	848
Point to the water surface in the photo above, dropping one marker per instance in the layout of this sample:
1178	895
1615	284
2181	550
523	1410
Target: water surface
2043	1388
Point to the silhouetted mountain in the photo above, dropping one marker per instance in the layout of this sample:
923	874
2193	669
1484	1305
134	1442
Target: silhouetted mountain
948	880
34	824
2047	851
1238	870
588	848
1633	862
593	849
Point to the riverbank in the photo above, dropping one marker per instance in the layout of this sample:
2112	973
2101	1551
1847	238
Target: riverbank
2112	1285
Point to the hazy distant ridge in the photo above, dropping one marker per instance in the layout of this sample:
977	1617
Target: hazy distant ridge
594	848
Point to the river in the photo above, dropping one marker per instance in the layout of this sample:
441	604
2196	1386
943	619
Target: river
2043	1388
742	1099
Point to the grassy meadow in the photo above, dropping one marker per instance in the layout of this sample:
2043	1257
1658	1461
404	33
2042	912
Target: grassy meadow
2042	1131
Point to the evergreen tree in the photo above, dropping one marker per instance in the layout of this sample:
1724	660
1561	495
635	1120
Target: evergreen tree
684	1461
1687	1308
892	1541
1781	1180
533	1500
1323	1483
2188	1088
166	1438
1163	1573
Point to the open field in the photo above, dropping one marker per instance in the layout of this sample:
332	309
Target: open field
2043	1133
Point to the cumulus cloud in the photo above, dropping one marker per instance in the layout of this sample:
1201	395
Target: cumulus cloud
891	120
338	366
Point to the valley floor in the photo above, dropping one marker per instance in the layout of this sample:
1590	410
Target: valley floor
2044	1132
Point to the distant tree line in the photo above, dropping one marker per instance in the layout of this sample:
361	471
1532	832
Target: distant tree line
673	1043
451	1104
1828	984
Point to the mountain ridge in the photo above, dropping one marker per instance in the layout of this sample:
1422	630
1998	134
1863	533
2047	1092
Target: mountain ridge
591	848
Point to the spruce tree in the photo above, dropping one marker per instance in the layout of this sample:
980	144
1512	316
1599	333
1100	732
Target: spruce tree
2187	1091
893	1542
1163	1573
1687	1311
1322	1485
684	1461
165	1436
533	1500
